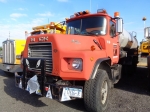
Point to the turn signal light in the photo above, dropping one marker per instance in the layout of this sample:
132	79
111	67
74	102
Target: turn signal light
46	88
101	11
81	13
92	48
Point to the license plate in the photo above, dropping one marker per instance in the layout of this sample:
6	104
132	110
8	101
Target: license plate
73	92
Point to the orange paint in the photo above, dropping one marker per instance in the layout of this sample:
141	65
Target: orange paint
85	48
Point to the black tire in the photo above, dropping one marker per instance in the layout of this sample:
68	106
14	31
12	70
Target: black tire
92	92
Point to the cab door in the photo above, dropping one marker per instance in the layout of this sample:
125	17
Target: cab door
112	42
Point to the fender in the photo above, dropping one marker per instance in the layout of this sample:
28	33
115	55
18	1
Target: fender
95	68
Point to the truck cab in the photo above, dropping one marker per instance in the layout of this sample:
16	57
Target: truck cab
83	63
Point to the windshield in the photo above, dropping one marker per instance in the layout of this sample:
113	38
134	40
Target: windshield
87	26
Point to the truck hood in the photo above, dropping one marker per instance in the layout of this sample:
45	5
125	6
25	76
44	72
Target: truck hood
66	42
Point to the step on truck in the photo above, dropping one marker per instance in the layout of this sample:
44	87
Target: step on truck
83	63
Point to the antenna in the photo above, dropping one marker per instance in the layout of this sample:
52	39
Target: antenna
9	35
90	5
144	19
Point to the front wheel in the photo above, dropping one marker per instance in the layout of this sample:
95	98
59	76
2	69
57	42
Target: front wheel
96	92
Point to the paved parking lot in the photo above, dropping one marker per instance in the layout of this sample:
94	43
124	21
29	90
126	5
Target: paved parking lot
129	95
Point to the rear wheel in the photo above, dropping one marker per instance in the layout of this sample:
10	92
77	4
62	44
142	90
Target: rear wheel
96	92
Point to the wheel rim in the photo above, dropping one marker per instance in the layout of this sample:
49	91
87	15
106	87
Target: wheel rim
104	92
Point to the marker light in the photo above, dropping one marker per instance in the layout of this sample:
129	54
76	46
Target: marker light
80	13
68	18
86	12
116	14
76	14
52	23
101	11
72	16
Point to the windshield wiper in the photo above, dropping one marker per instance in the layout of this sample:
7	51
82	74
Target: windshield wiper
98	44
89	33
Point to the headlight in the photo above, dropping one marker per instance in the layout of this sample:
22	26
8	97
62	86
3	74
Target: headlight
18	56
77	64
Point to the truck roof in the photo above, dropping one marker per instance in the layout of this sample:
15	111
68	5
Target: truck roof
84	14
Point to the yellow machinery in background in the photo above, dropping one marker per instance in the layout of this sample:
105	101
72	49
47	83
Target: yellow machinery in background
53	27
11	55
143	52
143	49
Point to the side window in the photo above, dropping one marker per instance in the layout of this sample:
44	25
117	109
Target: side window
112	29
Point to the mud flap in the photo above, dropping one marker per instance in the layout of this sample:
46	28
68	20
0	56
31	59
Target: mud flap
65	95
49	94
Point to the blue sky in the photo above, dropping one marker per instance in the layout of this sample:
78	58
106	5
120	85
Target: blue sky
18	16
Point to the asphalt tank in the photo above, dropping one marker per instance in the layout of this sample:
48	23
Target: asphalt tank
127	40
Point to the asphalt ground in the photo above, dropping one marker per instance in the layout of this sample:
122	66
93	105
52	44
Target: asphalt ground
130	94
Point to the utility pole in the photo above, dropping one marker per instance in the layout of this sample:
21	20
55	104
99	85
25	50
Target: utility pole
90	5
9	36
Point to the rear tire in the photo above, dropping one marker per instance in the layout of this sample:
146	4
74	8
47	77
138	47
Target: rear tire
96	92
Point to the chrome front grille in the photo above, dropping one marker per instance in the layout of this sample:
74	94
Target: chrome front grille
9	51
42	50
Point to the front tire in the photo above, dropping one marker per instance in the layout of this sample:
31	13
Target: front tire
96	92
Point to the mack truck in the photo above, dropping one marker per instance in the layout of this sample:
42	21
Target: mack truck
84	63
11	55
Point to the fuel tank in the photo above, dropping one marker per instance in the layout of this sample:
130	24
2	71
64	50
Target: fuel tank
127	40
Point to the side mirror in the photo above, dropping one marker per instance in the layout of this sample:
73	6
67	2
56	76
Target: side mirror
147	32
119	25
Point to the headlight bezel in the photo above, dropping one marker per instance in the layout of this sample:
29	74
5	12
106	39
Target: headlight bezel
75	64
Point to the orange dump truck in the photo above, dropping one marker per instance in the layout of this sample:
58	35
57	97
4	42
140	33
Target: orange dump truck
83	63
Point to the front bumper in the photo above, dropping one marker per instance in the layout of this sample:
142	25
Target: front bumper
10	68
46	89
